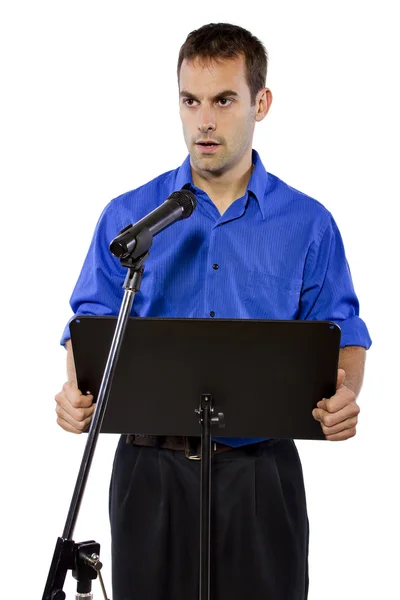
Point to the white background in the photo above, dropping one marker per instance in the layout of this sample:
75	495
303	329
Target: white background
89	110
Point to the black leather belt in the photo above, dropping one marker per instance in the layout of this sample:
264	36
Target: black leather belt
191	446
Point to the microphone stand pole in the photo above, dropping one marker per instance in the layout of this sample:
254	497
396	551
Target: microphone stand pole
83	558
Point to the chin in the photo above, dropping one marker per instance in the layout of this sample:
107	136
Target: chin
208	166
208	163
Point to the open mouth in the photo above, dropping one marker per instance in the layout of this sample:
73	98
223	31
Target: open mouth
207	146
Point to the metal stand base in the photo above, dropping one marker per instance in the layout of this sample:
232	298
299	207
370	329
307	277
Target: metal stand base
80	557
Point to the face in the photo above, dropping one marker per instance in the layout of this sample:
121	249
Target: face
217	116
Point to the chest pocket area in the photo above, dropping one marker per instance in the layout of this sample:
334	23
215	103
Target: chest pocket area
271	297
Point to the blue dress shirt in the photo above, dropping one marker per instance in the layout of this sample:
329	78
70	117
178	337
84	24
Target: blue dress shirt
274	254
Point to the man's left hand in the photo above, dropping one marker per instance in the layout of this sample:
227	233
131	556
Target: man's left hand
338	414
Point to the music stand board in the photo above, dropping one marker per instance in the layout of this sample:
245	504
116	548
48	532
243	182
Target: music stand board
264	376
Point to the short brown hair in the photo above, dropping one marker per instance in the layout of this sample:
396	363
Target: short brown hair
225	41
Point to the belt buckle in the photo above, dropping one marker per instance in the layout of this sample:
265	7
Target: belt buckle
191	449
192	456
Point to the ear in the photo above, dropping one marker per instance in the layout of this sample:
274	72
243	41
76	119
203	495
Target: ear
262	104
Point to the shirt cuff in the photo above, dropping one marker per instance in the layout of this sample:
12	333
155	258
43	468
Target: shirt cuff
66	333
354	332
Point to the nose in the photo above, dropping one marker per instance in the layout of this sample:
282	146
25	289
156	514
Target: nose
206	120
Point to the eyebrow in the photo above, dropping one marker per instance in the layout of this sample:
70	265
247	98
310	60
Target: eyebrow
224	94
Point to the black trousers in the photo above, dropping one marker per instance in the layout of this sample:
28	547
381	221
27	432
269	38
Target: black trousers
259	529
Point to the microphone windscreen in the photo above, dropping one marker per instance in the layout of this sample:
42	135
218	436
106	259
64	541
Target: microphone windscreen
186	199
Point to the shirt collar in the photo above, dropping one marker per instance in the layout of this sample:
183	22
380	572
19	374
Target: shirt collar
258	183
184	175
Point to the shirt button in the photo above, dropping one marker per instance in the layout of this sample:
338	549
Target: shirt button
215	267
212	313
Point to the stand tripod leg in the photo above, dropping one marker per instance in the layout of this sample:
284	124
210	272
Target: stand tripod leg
65	546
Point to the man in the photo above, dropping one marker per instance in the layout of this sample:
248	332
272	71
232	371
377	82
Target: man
253	248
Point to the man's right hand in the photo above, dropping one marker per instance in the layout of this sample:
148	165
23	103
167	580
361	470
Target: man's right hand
74	409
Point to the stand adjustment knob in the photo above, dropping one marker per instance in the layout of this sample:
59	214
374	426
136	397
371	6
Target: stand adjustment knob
94	561
220	419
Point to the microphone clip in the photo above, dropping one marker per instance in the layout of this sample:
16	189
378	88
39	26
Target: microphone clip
134	259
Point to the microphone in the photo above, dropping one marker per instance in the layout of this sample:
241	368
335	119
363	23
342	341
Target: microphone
178	205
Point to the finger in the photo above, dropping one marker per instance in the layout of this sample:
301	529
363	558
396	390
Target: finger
66	426
328	419
74	403
68	422
346	434
335	429
75	396
341	374
77	415
343	397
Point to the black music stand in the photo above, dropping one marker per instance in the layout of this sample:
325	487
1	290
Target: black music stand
258	379
165	365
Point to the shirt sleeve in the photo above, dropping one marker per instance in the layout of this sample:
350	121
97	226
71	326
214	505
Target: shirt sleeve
99	290
328	292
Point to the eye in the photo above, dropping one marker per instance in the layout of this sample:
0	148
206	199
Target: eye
189	102
224	101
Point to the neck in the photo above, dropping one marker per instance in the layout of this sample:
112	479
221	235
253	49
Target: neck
226	187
